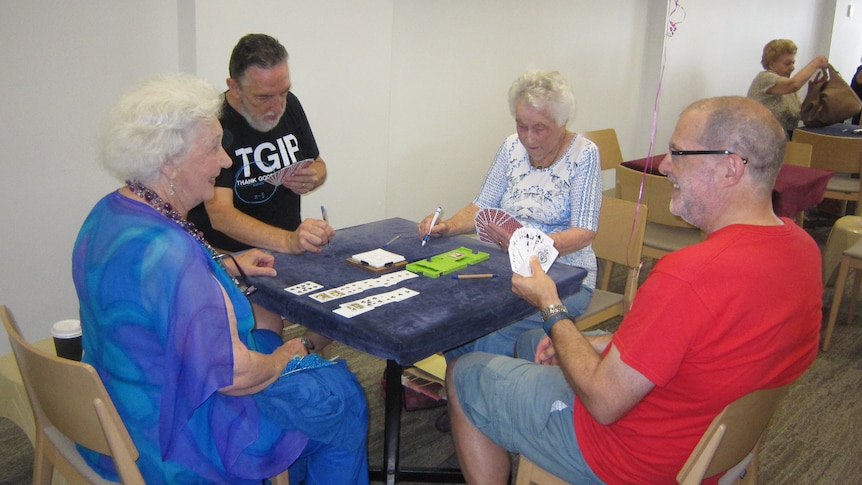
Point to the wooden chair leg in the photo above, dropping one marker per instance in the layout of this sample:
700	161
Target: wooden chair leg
854	294
843	269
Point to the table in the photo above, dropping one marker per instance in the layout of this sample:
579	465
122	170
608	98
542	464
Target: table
796	188
447	312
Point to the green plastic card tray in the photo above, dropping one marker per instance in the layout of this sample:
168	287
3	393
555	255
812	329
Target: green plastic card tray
448	262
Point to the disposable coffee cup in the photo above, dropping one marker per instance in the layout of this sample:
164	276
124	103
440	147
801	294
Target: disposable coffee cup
67	339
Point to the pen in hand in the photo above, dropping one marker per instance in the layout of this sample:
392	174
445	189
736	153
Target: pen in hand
433	221
323	216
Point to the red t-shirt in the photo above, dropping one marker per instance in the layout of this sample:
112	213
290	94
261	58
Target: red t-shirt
713	322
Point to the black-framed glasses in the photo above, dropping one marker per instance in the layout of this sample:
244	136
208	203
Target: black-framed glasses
242	281
682	153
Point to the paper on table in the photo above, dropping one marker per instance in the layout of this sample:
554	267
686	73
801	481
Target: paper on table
377	258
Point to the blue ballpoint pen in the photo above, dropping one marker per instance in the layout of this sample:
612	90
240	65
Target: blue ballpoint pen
433	221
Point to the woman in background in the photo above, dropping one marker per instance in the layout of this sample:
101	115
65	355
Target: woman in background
167	324
776	89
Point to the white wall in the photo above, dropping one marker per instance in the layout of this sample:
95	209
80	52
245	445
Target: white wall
407	98
64	63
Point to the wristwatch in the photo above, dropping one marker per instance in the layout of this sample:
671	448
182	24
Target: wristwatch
552	310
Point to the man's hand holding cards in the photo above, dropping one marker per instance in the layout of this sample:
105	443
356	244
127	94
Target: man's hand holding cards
529	241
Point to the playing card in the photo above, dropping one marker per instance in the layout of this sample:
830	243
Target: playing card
495	216
527	242
350	310
293	167
303	288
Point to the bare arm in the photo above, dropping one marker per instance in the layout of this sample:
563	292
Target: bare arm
460	223
311	235
572	239
607	386
792	84
253	371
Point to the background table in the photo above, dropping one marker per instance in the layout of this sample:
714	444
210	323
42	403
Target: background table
796	188
446	313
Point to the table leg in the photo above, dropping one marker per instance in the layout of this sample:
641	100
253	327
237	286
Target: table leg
391	471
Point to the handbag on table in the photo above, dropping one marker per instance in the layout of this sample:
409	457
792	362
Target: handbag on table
829	100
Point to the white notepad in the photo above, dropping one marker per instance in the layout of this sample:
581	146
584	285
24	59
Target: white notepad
377	258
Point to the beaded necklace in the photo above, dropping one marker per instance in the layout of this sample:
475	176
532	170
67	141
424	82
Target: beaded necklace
167	210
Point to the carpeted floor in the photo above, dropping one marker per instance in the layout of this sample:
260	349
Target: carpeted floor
815	437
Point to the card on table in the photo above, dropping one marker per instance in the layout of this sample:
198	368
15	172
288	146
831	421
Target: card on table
303	288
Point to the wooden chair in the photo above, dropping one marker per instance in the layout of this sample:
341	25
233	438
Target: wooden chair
665	232
798	154
851	258
733	439
619	240
71	405
609	147
840	154
730	444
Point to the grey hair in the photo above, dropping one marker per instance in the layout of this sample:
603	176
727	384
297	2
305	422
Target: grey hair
151	124
544	90
746	127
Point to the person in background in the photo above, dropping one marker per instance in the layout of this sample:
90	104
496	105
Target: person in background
776	89
713	322
856	85
548	178
167	324
266	130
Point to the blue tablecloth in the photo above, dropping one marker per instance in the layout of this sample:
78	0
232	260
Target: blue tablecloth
445	314
838	129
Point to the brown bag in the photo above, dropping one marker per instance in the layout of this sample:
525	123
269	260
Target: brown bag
829	100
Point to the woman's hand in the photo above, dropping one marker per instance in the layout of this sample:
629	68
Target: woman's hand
255	262
499	235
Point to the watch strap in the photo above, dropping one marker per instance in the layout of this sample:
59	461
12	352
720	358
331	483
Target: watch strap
553	319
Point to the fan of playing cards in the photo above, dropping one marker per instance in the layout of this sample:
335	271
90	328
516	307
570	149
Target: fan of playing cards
529	241
276	177
495	216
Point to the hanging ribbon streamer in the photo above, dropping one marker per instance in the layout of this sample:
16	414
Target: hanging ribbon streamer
675	16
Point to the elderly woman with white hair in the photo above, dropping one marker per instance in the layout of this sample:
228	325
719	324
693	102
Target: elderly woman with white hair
548	178
168	326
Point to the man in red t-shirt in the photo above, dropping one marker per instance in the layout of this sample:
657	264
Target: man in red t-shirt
738	312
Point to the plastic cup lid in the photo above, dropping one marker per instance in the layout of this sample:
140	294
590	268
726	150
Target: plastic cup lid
66	329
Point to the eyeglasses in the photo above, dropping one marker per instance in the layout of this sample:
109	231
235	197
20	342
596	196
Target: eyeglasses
682	153
242	281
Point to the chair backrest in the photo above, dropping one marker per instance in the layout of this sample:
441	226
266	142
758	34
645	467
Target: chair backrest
70	397
732	435
656	195
836	153
609	147
798	153
620	238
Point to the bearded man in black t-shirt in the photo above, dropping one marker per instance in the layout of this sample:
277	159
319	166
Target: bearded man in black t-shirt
265	130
